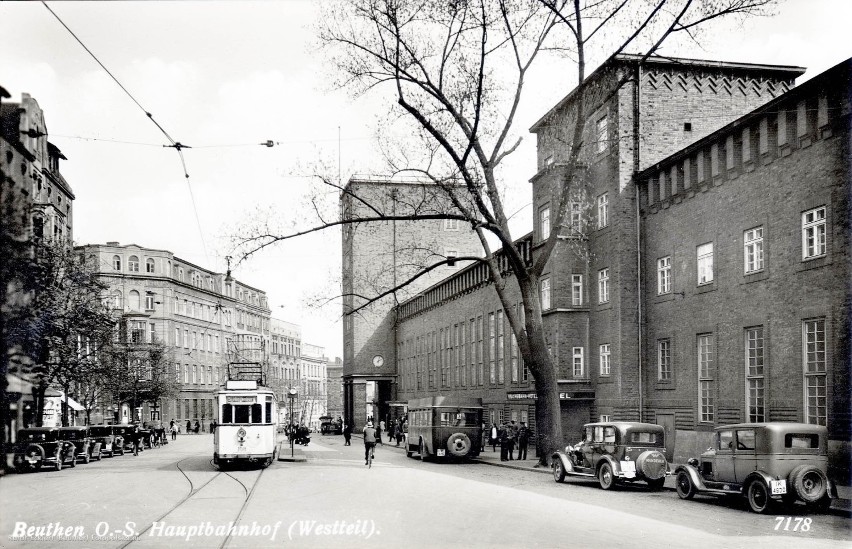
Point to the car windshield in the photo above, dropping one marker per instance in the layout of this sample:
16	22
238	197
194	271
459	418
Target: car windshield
644	437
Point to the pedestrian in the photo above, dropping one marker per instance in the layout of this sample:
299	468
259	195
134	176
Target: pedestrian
188	426
403	432
197	426
370	438
347	435
171	424
137	441
511	437
494	438
378	432
173	429
397	431
503	436
523	440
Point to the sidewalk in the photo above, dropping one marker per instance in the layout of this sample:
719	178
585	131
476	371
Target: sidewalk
843	504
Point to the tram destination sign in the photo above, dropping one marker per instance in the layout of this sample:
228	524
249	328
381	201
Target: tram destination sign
241	398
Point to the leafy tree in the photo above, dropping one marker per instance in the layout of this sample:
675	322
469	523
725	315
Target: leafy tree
455	72
139	372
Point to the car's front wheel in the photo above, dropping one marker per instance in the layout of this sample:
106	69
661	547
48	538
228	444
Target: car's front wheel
558	470
606	478
758	497
685	487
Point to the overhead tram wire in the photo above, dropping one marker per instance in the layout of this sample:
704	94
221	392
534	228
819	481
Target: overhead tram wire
173	144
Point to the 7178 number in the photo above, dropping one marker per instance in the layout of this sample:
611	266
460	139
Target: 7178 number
799	524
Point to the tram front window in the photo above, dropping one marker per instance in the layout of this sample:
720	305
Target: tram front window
226	414
241	414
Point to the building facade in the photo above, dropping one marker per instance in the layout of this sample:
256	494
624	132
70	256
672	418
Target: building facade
37	203
313	382
205	319
378	256
285	364
640	325
334	388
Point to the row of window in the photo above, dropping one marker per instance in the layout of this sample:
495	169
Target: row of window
196	374
457	355
814	245
576	224
814	371
200	341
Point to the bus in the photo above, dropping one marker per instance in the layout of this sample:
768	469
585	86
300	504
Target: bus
444	427
248	423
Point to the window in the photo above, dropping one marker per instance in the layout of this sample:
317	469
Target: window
544	289
604	359
548	161
514	355
576	210
186	339
705	263
576	290
664	275
133	264
177	337
136	329
603	286
813	233
755	380
813	345
577	362
149	301
194	374
753	250
152	332
149	265
116	263
134	300
492	328
544	222
451	224
706	384
603	210
117	299
601	133
499	349
664	360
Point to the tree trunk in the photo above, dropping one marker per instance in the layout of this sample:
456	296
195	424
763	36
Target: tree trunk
38	398
548	418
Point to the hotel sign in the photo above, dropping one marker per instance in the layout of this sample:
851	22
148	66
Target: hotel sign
531	395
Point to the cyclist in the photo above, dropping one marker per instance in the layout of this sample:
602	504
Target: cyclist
369	441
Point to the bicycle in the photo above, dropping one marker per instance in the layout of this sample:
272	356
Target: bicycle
371	455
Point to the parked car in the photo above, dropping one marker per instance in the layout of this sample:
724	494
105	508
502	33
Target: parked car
329	426
764	462
125	432
39	446
614	452
79	437
110	440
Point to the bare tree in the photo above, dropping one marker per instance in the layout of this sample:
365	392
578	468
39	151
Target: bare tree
456	72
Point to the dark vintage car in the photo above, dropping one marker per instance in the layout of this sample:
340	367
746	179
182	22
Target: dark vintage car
765	462
126	432
79	437
40	446
614	452
328	426
109	436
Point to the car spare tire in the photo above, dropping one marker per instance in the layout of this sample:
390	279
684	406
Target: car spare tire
809	483
651	464
459	444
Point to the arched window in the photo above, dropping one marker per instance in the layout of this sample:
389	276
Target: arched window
116	299
116	262
133	264
134	300
149	265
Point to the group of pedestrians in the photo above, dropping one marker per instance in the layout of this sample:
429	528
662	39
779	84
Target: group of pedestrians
509	436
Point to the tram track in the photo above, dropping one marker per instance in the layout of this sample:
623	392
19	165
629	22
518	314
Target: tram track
194	491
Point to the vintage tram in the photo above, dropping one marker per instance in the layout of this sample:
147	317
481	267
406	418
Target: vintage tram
248	422
444	427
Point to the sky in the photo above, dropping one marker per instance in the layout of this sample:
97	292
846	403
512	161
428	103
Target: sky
223	77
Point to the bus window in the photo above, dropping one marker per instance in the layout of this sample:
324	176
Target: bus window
241	413
256	412
226	414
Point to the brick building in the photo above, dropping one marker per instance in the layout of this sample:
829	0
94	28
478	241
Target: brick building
377	256
635	333
334	388
747	310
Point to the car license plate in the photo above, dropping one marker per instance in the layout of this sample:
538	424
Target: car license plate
628	469
441	452
778	486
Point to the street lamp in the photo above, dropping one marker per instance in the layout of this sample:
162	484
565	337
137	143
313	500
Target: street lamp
291	394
